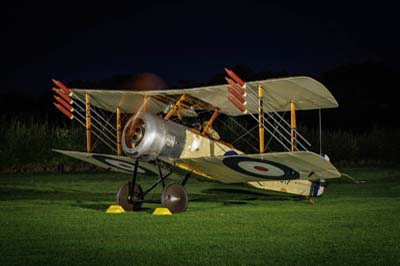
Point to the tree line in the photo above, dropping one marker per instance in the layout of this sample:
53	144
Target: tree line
363	129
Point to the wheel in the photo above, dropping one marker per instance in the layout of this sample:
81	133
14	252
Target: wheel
123	197
175	198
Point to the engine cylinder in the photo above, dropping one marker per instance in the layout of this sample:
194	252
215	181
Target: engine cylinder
148	136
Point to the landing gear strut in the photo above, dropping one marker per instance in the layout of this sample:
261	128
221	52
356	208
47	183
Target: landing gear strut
174	196
130	195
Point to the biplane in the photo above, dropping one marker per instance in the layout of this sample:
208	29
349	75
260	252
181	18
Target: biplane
148	134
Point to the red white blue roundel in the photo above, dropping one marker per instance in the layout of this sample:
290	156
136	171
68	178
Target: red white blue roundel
123	165
260	168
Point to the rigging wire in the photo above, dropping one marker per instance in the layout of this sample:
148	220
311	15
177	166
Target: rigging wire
320	131
279	123
235	132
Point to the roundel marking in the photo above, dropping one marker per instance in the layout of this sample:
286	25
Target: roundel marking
260	168
122	165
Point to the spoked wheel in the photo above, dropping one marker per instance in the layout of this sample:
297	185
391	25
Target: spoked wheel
175	198
123	197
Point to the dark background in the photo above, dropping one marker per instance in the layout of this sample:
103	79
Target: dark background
350	47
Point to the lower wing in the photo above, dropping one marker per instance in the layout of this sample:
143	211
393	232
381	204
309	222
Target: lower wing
260	167
227	169
122	164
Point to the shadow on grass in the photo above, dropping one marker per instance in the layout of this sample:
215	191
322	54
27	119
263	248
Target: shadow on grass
102	207
234	202
92	206
226	196
101	201
241	195
12	193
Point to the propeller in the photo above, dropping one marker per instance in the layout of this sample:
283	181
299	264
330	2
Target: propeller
139	82
135	122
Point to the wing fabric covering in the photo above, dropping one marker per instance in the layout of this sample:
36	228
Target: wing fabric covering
308	166
121	164
261	167
306	92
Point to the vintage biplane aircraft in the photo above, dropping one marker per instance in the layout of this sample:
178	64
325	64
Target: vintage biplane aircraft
156	141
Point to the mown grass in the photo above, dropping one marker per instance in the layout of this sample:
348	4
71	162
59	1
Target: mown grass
60	220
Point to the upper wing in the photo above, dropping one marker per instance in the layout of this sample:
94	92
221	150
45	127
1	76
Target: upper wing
306	92
261	167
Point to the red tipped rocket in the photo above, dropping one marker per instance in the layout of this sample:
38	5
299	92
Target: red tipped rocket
237	104
63	95
64	103
234	77
237	95
236	86
63	87
64	111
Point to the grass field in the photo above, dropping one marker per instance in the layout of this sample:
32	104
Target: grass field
61	220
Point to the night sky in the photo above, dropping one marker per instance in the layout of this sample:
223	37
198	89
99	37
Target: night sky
188	41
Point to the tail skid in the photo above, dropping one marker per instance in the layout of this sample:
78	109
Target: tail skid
353	179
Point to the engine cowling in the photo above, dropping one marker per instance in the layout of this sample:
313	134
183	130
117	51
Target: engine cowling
152	137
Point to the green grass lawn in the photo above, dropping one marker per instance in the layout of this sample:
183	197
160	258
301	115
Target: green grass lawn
61	220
